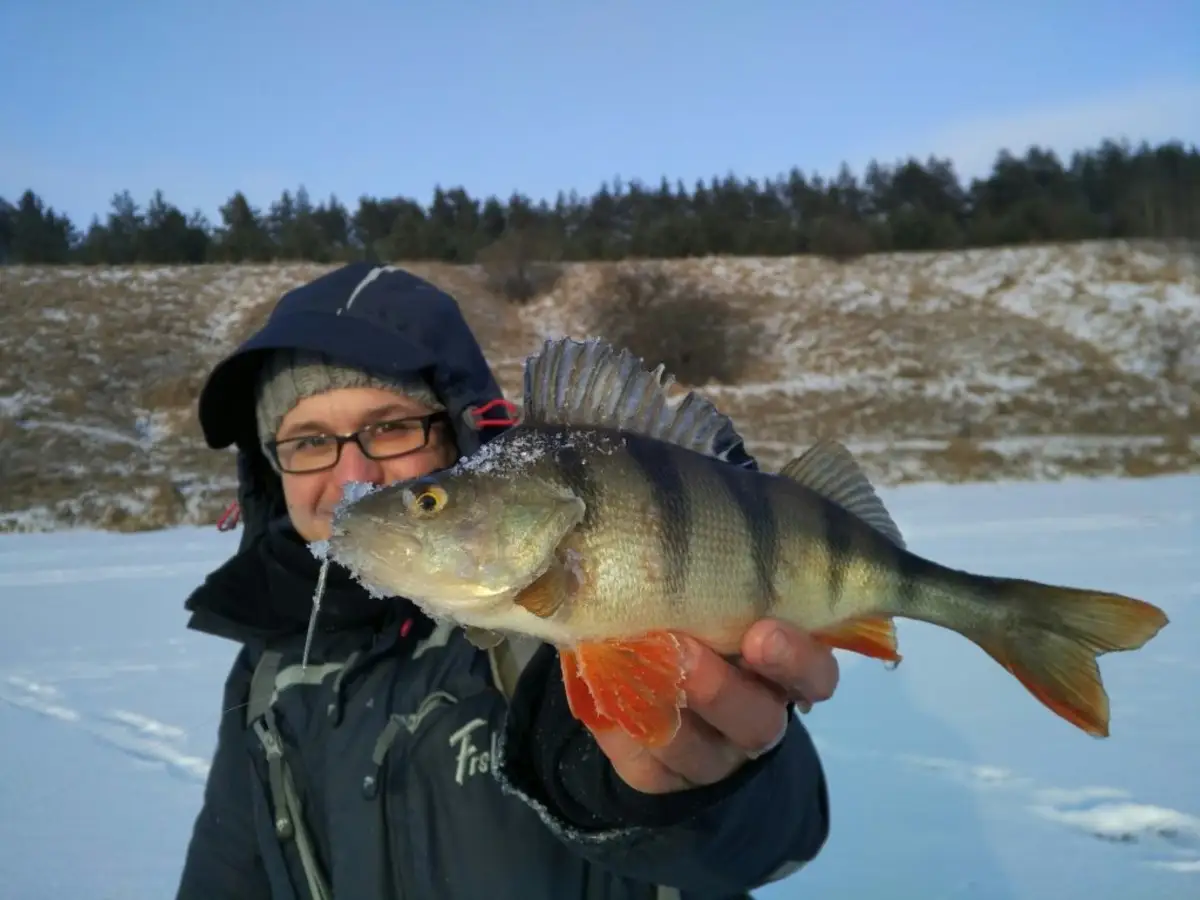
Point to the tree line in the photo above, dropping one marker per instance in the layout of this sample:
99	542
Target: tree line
1113	191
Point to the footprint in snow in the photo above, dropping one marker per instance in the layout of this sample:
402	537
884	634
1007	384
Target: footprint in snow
42	699
1110	814
137	736
1104	813
150	741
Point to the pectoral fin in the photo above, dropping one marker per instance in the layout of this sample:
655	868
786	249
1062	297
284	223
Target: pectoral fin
562	581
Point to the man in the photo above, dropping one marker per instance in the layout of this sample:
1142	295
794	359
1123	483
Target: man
403	761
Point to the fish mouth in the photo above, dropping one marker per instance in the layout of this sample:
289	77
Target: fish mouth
344	547
474	599
474	593
484	588
468	585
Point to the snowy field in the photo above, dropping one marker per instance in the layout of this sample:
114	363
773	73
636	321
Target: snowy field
948	779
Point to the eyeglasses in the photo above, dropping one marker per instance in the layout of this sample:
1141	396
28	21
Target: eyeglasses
381	440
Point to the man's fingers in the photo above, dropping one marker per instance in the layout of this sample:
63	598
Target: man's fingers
732	713
736	704
806	669
699	753
783	730
637	766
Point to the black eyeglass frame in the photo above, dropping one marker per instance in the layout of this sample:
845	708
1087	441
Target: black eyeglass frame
357	437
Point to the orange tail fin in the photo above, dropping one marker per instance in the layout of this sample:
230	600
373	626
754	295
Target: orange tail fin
1054	641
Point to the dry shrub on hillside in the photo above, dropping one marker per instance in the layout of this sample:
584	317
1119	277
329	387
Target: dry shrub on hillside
700	337
1177	342
521	264
174	391
965	458
841	238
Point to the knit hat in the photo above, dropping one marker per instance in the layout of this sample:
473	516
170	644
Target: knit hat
289	376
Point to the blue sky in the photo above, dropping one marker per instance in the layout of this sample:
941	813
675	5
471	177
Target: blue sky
386	98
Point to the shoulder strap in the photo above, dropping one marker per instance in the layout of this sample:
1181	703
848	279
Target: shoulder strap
285	801
262	685
508	660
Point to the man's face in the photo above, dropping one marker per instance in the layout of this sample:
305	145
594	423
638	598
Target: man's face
311	497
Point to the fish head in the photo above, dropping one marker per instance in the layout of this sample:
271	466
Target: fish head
455	542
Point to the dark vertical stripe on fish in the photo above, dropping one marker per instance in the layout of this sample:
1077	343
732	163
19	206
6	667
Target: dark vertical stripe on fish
839	543
909	569
673	503
749	492
579	479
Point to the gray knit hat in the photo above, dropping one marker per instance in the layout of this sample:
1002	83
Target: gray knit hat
289	376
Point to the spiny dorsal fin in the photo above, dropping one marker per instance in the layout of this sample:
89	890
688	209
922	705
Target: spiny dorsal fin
592	383
828	468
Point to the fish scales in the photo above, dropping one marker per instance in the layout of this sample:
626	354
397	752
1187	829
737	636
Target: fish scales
677	540
763	539
673	515
831	566
838	566
659	531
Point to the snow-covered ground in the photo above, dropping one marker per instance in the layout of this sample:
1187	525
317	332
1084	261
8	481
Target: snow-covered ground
948	779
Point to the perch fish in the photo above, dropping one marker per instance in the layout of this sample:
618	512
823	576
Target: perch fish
609	521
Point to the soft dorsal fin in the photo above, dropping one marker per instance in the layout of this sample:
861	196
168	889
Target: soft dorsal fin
831	470
591	383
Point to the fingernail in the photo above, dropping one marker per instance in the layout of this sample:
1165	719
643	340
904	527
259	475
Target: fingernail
804	707
689	655
776	650
775	743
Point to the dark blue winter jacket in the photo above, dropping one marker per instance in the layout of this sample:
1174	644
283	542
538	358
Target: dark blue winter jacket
404	762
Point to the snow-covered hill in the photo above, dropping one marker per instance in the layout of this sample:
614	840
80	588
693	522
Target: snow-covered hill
1030	362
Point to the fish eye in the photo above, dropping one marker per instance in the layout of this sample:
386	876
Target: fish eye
429	499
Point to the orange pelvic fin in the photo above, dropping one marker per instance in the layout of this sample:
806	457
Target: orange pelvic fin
874	637
635	683
579	695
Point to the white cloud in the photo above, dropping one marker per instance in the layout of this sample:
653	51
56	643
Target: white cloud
1152	112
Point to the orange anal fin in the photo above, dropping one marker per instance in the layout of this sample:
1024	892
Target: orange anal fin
636	683
579	695
874	637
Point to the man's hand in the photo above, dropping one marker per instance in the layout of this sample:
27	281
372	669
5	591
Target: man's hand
733	714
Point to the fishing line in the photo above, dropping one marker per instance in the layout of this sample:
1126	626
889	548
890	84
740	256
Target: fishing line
312	619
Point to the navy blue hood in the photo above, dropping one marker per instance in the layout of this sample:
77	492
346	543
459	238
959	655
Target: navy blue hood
376	317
